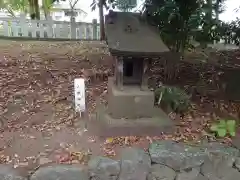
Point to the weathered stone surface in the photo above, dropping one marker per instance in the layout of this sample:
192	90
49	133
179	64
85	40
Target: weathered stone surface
183	156
201	177
236	141
102	168
188	174
220	162
7	173
222	149
161	172
221	159
177	155
61	172
135	164
237	163
219	166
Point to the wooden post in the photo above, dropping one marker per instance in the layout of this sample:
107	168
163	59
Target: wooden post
94	22
73	27
6	28
144	84
81	31
34	28
41	29
88	32
119	73
101	19
50	32
24	25
14	28
115	69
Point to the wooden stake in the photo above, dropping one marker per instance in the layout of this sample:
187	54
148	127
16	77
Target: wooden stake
120	73
144	83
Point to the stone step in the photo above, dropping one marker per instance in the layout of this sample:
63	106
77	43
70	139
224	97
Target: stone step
103	125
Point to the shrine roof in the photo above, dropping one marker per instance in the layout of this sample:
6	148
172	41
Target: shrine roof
129	34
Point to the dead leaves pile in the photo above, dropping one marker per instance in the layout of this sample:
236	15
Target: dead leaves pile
33	75
112	143
68	154
193	128
73	158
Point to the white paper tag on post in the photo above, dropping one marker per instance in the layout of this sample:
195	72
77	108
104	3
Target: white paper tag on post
79	91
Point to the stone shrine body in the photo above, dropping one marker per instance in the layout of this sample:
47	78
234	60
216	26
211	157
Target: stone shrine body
130	111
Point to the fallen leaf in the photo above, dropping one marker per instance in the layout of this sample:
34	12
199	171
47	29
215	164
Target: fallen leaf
44	160
22	164
149	139
109	140
32	137
91	139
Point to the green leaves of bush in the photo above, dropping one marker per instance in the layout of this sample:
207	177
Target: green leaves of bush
174	98
224	127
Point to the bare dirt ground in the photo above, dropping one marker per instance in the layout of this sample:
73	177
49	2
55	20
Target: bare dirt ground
39	125
36	99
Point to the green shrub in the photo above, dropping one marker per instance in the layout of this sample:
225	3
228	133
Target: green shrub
224	127
172	98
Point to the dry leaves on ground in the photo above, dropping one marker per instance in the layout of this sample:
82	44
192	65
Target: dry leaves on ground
36	91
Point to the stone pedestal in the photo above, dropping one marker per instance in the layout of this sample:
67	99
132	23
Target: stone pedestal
130	112
130	103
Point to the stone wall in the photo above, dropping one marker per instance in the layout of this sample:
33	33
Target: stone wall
165	160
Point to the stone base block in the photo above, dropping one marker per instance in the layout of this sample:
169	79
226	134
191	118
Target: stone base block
132	102
107	126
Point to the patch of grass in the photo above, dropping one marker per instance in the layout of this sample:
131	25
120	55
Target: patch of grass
172	98
224	127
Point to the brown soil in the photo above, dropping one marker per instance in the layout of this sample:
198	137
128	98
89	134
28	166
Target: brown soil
36	100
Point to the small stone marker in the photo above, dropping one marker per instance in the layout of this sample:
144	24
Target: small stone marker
79	91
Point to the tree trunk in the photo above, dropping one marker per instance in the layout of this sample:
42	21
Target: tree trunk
45	9
11	12
31	9
210	8
46	15
37	11
34	9
101	18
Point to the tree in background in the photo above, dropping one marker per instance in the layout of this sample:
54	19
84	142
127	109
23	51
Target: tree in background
47	6
120	4
208	33
177	20
15	5
218	7
124	5
26	6
72	4
101	4
34	9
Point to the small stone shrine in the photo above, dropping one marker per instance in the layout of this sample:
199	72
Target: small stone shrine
130	111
